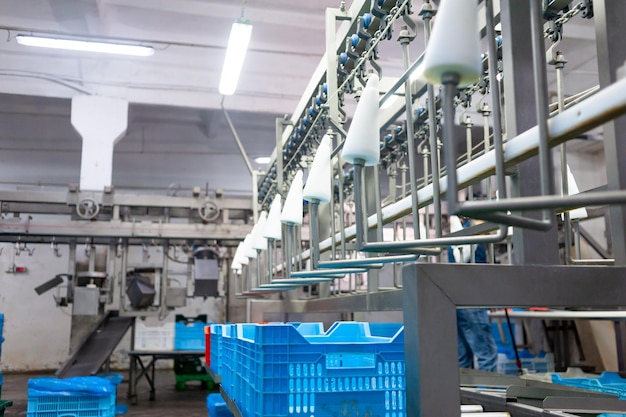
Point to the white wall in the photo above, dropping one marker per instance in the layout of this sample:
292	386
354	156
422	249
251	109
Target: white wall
37	332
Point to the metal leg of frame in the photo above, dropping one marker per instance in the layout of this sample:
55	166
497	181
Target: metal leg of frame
432	292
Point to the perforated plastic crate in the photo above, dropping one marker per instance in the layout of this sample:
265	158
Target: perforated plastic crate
189	333
542	363
154	337
229	358
217	406
75	405
71	397
216	348
346	371
608	383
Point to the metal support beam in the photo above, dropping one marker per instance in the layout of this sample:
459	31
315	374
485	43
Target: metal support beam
115	229
531	247
432	292
610	21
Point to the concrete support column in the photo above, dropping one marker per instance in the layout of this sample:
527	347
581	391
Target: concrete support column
101	122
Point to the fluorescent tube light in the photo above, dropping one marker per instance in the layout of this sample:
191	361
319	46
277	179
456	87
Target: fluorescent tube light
85	46
235	55
263	160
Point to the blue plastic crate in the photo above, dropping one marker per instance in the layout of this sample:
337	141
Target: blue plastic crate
347	370
114	378
217	407
216	348
608	383
72	397
507	363
228	361
189	336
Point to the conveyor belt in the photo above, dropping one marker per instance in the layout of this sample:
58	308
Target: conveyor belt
97	347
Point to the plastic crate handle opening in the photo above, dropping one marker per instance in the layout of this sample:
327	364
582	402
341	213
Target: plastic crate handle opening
350	360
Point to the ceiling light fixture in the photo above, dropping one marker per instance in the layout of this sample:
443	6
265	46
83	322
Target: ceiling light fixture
85	45
263	160
235	55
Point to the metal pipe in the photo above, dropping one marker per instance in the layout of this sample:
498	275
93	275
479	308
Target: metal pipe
450	82
405	40
123	277
567	231
314	232
378	202
486	111
432	132
249	275
288	253
404	169
605	105
258	269
427	208
342	211
358	204
163	304
577	240
541	103
270	261
237	140
468	149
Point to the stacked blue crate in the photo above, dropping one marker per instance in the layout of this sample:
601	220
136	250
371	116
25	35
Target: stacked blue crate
216	348
76	397
189	332
507	362
217	407
353	367
608	383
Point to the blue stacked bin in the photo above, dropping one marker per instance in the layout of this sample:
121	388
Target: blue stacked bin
189	332
217	407
608	383
76	397
274	370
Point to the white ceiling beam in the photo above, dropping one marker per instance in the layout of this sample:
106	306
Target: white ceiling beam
229	10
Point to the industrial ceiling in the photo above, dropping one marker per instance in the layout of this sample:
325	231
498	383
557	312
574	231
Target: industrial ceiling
177	135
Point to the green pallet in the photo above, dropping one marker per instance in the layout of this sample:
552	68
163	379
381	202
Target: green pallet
189	366
4	404
205	380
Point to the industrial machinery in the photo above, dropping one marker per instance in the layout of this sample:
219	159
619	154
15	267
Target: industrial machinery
128	256
407	162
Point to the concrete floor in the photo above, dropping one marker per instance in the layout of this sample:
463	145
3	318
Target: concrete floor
168	402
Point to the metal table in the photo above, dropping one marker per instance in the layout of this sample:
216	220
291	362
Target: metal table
148	369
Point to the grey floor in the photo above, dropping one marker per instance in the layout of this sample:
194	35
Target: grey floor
168	402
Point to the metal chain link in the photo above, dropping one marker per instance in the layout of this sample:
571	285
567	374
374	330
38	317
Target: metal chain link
565	18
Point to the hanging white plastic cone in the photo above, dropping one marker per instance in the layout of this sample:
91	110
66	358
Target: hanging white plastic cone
454	46
273	226
235	266
247	250
572	188
292	210
318	182
462	253
259	242
363	139
239	256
